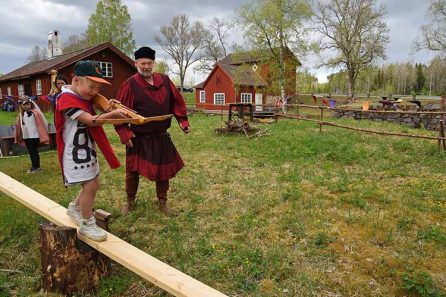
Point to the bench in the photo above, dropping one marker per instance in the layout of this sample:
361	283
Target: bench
7	142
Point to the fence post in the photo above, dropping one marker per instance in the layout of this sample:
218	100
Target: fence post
442	109
322	118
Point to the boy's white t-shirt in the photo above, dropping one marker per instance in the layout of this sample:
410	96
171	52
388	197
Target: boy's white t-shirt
79	158
29	127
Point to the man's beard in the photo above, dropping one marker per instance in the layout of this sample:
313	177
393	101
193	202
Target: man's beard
145	73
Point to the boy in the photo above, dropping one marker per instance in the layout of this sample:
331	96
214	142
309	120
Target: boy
77	136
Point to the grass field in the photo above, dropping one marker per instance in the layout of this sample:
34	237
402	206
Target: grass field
296	213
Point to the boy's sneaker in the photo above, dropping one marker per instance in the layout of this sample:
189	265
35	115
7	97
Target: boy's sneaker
74	212
34	170
91	230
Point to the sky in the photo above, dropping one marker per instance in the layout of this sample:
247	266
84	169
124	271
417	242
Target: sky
26	23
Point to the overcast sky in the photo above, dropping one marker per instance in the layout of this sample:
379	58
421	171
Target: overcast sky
26	23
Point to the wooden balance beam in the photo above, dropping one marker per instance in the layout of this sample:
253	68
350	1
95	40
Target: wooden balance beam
146	266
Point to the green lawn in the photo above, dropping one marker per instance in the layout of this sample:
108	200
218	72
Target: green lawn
296	213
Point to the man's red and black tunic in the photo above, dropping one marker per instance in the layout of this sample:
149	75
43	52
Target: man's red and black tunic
153	154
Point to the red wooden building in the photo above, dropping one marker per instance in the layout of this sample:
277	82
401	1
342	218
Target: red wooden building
34	78
249	77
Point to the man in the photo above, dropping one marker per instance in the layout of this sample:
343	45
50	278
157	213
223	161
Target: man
150	151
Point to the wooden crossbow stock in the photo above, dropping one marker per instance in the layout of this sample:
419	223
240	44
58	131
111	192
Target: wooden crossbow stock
105	105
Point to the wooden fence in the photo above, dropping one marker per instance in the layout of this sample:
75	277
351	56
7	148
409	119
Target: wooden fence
440	138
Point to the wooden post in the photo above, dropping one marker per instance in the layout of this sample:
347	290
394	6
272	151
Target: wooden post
69	266
441	143
322	119
102	218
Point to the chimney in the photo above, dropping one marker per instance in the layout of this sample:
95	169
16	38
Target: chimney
54	44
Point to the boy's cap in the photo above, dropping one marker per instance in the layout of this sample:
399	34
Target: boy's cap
91	70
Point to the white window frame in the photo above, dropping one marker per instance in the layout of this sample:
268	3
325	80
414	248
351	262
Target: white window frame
21	90
202	96
106	69
216	95
38	87
246	98
9	91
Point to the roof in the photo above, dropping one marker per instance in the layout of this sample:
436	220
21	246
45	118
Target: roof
239	75
200	85
253	56
243	76
58	62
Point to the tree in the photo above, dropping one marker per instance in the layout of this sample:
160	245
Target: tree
75	43
214	48
182	41
111	23
161	66
354	31
277	24
420	79
37	54
433	35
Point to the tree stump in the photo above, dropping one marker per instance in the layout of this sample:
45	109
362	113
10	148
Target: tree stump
69	265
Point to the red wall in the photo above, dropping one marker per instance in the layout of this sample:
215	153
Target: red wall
218	82
121	71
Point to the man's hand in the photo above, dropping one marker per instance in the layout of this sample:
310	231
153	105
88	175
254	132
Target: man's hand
187	129
129	143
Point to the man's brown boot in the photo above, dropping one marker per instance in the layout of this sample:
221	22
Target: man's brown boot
128	206
162	203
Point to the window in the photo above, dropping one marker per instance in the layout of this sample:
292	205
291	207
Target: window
106	68
38	87
9	91
1	94
219	98
21	89
246	97
202	97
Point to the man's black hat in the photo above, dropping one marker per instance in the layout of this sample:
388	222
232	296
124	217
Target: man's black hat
145	52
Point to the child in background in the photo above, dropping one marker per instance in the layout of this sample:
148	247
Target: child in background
77	135
31	128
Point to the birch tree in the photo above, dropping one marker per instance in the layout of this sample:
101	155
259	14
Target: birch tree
277	24
433	35
355	34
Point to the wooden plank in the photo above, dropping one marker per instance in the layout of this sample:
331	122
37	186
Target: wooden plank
146	266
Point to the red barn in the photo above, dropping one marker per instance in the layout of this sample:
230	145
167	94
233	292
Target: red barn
250	77
34	78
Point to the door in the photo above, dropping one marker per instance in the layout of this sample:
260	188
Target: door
259	101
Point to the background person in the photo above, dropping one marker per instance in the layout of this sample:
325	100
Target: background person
32	129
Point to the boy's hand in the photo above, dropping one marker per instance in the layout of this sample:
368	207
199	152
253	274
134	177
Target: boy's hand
118	113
